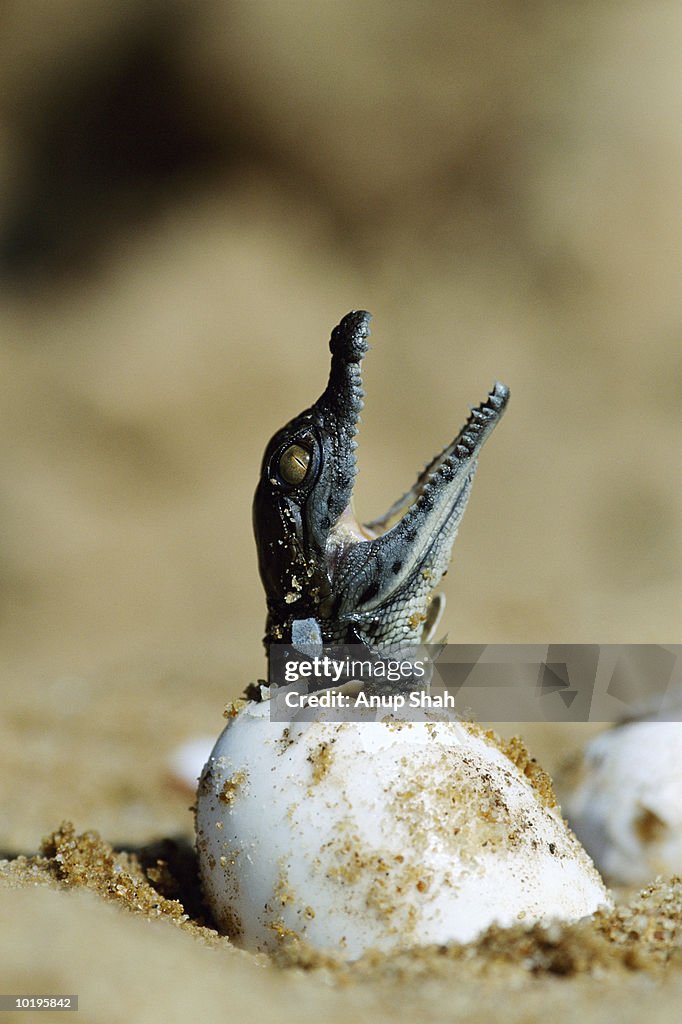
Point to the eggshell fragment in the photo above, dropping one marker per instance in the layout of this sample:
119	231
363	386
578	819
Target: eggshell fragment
380	835
623	797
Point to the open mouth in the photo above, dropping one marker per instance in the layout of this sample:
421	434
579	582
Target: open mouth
409	546
453	465
440	488
370	581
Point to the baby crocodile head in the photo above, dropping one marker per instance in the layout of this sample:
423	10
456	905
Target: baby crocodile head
328	578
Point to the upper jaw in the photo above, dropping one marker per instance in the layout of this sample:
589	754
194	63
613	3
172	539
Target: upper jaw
336	415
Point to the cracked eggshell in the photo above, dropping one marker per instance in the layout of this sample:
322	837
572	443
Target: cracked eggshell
353	836
623	797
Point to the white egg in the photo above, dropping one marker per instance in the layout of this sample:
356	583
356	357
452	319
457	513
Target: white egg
185	762
379	835
623	797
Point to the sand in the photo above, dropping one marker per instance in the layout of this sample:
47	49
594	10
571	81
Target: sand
126	930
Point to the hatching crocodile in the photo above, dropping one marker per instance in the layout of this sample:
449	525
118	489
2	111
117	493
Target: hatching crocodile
329	579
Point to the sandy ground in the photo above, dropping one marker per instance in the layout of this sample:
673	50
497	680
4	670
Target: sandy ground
125	944
190	202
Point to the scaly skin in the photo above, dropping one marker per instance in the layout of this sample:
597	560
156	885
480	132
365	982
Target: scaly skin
327	578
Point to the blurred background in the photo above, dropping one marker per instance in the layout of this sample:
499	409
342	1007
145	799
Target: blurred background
192	194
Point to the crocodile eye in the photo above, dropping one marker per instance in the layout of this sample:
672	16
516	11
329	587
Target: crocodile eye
294	463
